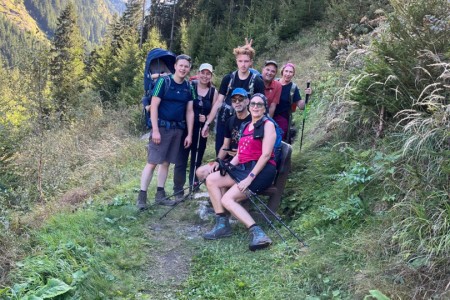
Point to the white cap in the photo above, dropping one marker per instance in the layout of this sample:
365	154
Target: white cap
206	66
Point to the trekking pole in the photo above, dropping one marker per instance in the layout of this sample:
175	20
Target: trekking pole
200	103
249	193
305	113
182	200
277	217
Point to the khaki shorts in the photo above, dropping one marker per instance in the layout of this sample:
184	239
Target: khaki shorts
168	148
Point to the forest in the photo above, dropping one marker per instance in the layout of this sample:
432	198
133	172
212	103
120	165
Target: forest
369	189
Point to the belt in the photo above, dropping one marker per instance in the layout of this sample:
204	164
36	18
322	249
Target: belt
171	124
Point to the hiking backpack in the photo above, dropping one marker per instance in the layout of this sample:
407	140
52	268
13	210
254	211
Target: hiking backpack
227	109
258	133
167	82
158	61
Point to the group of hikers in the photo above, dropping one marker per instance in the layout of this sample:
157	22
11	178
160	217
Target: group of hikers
246	110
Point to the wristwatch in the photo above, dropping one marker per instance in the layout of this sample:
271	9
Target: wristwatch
252	175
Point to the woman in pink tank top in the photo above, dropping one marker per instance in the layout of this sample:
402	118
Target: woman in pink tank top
253	167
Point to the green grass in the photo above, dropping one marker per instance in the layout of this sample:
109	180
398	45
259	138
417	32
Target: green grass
97	252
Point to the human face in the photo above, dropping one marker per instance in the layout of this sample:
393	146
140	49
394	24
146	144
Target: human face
257	107
269	73
288	73
182	68
239	103
204	76
243	62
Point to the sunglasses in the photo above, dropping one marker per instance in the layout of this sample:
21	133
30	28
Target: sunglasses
257	104
237	99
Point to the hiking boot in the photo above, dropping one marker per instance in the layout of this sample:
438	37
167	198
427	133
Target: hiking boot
160	198
142	200
258	239
179	196
221	229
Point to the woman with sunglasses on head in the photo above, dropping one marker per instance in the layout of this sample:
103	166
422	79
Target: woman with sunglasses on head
171	112
290	95
253	167
206	95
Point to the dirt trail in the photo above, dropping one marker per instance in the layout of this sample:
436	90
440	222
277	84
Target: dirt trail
174	241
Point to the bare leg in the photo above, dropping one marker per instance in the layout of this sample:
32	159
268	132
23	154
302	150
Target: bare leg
146	177
214	183
163	171
231	199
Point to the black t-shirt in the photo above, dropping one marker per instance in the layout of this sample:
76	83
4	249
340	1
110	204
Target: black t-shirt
203	105
258	85
232	129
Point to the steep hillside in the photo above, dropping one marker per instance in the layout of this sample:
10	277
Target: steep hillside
93	15
16	13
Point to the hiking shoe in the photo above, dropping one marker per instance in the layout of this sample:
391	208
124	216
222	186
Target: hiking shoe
142	200
179	196
160	198
258	239
221	229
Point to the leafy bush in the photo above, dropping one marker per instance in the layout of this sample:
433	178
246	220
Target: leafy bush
403	61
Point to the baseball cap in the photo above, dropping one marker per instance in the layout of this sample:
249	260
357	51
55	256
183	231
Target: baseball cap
271	62
239	91
206	66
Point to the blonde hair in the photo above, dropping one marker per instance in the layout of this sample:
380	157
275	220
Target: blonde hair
246	50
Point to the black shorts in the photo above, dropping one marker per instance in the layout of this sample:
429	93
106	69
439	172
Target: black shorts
261	182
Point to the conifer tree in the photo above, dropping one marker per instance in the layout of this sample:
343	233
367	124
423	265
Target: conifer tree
67	65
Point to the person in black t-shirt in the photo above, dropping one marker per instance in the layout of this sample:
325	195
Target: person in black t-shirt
240	101
241	78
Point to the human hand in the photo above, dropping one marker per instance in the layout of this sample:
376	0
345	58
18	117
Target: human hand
244	184
156	137
308	91
188	141
205	131
201	118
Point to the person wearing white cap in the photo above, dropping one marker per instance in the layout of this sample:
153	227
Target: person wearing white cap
206	95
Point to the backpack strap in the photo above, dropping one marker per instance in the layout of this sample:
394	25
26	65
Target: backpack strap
230	83
292	92
251	84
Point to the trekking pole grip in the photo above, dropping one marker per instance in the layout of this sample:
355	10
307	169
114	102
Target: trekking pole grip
308	85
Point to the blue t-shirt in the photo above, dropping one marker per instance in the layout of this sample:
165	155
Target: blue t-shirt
283	107
174	101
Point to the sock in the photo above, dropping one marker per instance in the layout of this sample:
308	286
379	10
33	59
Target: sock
160	188
252	226
221	214
141	191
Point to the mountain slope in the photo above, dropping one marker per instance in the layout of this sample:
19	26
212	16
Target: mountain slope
15	12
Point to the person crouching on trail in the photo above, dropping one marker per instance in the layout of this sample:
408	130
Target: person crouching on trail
239	101
254	168
171	112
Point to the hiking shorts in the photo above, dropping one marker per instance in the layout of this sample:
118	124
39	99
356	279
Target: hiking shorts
168	148
261	182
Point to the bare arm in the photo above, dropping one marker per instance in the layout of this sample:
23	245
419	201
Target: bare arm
217	103
190	123
156	136
267	148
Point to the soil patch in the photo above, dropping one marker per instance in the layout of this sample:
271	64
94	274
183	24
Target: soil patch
174	241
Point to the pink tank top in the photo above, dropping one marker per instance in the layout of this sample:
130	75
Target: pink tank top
251	149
